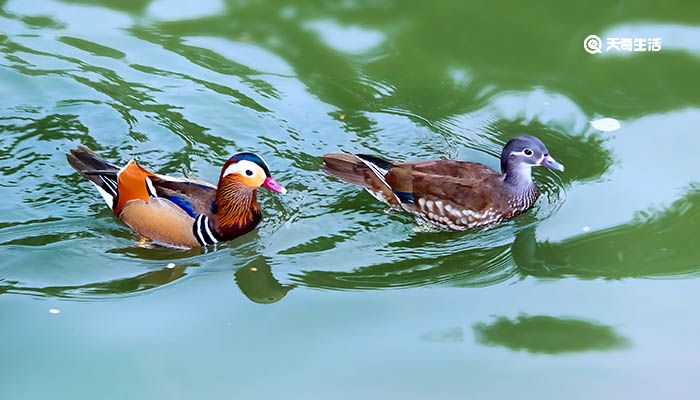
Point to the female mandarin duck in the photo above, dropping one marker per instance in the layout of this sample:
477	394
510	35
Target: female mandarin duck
180	212
453	195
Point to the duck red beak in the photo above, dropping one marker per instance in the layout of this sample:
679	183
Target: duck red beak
271	184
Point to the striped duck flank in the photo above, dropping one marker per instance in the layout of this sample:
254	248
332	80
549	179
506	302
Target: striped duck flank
180	212
454	195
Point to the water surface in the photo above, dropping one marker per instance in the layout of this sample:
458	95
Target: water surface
592	294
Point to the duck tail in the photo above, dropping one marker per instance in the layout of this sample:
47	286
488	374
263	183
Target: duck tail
357	169
99	172
367	171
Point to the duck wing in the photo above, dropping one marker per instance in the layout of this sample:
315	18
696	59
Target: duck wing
193	196
449	168
454	194
463	183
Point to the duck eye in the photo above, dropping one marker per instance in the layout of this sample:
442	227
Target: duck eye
249	172
528	152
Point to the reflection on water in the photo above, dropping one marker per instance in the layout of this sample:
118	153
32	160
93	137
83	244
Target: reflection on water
257	283
447	265
118	287
643	248
646	247
657	243
181	88
183	85
548	335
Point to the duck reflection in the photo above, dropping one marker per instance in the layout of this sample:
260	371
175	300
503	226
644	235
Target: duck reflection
122	286
548	335
472	267
258	284
255	281
658	243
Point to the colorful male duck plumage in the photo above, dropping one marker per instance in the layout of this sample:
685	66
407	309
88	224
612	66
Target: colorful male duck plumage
180	212
454	195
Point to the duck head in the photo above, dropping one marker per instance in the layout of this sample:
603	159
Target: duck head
248	171
522	153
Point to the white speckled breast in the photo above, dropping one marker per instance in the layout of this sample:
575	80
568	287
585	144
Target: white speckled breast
448	215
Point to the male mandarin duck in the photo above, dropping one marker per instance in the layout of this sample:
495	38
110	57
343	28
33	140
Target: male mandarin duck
180	212
454	195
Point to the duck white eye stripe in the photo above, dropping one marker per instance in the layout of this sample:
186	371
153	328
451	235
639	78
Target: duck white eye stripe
240	167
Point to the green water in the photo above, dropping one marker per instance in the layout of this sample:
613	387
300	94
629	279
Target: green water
592	294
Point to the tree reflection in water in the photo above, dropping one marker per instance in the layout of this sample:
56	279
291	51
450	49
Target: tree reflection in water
548	335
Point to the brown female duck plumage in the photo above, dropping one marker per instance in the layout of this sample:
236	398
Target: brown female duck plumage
454	195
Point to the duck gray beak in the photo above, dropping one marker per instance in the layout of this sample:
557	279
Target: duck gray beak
549	162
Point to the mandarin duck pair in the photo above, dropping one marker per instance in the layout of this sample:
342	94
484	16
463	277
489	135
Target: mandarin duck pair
186	213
